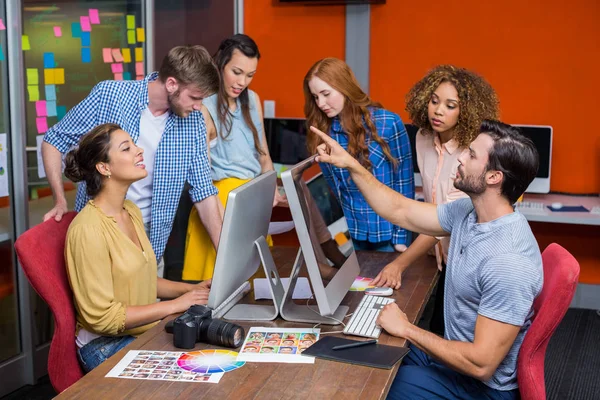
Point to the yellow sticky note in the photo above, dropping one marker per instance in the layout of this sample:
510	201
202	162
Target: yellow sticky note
34	92
49	76
126	55
131	36
32	76
59	76
141	35
340	238
139	54
25	43
131	22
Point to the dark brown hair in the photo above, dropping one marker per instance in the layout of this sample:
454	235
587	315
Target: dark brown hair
191	65
93	149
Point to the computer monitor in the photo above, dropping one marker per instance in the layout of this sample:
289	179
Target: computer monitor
329	284
286	138
541	136
242	247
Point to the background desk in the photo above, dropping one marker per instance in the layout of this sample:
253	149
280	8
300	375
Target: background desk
321	380
564	217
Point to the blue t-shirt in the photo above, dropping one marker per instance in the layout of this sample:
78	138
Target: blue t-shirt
495	270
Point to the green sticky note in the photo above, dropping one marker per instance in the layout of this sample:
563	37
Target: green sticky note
34	92
131	22
130	37
25	43
32	76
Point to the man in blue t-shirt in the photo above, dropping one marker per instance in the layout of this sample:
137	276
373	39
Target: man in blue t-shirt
494	269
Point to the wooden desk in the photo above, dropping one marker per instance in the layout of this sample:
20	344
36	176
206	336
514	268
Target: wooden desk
321	380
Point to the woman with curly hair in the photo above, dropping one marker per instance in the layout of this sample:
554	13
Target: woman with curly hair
448	105
335	103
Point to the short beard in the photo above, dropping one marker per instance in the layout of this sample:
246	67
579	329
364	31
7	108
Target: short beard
174	106
471	185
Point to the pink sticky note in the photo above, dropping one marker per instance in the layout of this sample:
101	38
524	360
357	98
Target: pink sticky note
94	17
116	53
117	68
106	55
85	24
139	77
42	124
40	108
2	27
118	77
139	68
57	31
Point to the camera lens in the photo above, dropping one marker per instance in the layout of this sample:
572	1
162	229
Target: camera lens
221	333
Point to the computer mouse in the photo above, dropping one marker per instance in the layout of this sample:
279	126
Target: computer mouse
557	205
379	291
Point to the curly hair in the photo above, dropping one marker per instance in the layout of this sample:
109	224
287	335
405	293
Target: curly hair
476	98
353	117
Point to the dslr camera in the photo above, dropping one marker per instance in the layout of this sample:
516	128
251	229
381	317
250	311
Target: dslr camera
197	325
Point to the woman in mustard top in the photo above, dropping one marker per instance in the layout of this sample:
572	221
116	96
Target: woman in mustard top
110	262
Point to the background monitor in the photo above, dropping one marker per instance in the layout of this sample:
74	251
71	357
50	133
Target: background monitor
329	285
286	139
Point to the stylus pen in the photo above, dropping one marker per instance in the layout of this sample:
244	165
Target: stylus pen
357	344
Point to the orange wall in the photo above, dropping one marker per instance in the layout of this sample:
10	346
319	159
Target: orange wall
291	38
542	58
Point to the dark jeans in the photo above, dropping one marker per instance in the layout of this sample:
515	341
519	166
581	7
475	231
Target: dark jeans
387	247
421	377
436	325
100	349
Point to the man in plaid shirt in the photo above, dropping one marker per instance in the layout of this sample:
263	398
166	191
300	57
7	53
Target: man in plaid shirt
161	113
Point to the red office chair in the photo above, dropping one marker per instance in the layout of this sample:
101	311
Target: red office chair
561	273
41	253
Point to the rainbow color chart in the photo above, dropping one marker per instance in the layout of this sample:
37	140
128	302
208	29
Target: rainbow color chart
361	284
209	361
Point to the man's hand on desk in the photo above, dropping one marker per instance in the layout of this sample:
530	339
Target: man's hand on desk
57	212
390	276
393	320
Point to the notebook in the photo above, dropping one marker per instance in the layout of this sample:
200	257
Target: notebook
372	355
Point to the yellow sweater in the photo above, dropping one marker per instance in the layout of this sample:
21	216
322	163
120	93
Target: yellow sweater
108	272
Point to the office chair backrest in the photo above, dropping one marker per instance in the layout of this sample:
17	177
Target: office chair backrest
561	274
41	254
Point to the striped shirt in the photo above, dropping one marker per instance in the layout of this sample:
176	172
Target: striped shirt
181	155
494	270
363	222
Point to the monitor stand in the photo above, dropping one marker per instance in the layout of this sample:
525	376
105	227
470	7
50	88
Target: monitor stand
258	312
291	311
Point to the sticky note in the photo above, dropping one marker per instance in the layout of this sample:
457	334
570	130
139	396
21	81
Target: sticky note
59	76
116	53
86	55
86	39
139	54
50	92
139	68
51	108
127	76
57	31
61	111
127	55
32	76
94	17
76	29
116	68
131	37
49	60
1	54
40	108
141	35
42	124
49	76
139	77
2	27
106	55
118	77
34	92
25	43
131	22
85	24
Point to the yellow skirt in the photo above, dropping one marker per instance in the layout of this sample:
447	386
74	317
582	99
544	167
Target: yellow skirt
200	254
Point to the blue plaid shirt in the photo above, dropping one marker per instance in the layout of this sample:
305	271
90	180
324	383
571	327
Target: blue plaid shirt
181	154
363	222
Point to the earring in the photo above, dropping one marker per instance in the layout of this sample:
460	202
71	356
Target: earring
108	176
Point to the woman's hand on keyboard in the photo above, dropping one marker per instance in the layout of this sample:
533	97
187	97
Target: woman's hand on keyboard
204	285
393	320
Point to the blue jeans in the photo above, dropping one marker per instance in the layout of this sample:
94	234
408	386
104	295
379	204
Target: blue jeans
100	349
386	246
421	377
